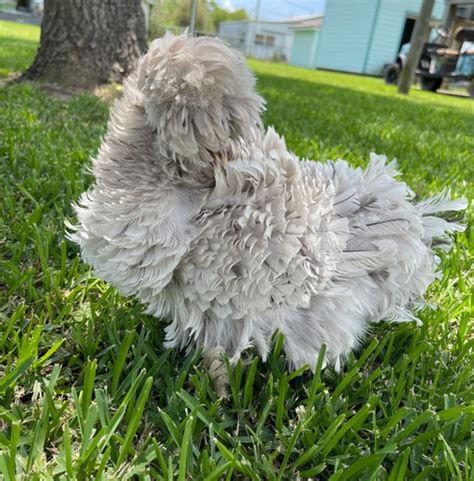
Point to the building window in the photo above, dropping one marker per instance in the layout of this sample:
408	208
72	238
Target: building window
267	40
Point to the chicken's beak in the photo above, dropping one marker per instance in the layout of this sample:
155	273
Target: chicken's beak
224	160
220	159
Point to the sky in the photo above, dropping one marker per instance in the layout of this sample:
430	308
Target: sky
276	9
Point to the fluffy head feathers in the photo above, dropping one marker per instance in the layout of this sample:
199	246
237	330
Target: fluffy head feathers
199	97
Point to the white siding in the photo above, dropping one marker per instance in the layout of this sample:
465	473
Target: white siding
282	36
345	34
242	35
234	33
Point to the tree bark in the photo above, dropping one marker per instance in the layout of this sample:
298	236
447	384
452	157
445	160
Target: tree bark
416	46
88	42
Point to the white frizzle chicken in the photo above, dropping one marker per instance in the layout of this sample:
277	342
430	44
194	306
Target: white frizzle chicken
218	228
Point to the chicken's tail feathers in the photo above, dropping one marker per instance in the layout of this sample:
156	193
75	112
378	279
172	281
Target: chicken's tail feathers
394	237
441	216
442	203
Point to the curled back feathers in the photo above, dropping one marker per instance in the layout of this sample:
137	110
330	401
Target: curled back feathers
315	250
199	97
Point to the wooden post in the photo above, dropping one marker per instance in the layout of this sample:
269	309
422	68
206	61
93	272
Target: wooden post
416	46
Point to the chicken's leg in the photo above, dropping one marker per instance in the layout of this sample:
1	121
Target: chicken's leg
214	363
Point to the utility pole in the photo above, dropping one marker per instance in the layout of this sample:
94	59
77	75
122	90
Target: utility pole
257	10
192	23
257	15
417	40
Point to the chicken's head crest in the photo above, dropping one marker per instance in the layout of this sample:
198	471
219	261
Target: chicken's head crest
199	97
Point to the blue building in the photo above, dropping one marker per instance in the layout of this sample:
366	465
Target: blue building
305	41
359	36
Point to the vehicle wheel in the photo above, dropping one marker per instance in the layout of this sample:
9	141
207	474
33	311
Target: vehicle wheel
391	74
430	83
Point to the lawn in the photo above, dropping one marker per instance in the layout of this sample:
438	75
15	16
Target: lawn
87	390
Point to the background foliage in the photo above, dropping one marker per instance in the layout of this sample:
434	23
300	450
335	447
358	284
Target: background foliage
175	14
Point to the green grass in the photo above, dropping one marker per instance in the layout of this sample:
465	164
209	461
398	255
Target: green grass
88	392
18	44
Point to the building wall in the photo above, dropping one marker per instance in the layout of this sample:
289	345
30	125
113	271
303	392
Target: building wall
345	34
281	47
389	29
362	36
303	51
243	35
234	33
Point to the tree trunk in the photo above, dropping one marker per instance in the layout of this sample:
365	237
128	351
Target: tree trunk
88	42
417	40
